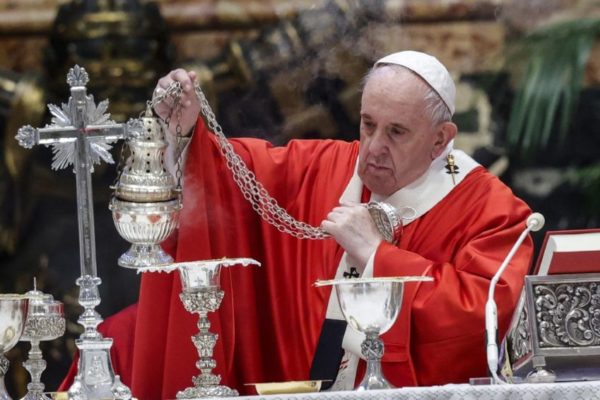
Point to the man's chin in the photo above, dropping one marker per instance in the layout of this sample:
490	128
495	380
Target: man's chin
375	182
377	186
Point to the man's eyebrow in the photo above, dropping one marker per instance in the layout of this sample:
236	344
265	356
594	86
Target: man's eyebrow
399	126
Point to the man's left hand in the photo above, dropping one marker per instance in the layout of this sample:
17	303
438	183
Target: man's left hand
352	227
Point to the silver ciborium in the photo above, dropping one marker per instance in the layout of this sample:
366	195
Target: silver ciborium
371	306
146	203
201	294
13	311
45	321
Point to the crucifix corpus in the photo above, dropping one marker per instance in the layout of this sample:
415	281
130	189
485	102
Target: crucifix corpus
81	134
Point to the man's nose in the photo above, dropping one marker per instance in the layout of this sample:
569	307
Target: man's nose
378	145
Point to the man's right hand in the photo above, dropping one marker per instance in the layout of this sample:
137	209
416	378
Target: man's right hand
190	107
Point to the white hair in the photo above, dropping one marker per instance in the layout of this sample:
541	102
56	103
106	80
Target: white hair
435	108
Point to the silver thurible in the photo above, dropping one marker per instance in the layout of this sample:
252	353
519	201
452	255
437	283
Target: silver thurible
146	201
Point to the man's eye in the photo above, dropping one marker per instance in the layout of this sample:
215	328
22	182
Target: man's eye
396	131
368	124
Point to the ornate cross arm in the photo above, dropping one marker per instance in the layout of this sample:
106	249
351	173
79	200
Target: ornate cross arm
29	136
63	141
91	142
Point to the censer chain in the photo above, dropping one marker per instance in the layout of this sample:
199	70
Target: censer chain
253	191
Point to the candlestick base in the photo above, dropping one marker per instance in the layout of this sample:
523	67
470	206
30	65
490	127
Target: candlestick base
96	379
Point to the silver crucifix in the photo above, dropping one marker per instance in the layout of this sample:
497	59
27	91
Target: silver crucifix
81	134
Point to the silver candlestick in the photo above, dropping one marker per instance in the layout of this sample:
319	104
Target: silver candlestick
371	306
13	311
45	321
81	133
202	294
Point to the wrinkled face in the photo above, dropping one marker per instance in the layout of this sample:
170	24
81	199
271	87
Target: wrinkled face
397	138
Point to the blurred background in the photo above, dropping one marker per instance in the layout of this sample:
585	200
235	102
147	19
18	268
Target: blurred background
528	105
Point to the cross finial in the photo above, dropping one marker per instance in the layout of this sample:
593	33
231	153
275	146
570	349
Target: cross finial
77	76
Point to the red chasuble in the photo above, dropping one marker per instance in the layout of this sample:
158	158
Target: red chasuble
270	318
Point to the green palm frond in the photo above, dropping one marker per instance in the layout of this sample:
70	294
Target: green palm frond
588	178
547	94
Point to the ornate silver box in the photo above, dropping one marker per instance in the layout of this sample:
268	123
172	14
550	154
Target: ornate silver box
556	328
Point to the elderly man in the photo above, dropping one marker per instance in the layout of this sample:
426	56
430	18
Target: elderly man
273	323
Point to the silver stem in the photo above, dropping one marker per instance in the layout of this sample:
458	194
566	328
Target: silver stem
36	365
89	298
4	364
206	384
372	349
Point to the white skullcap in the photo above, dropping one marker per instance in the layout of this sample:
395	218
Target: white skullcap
430	69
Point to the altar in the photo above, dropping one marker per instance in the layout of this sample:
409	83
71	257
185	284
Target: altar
540	391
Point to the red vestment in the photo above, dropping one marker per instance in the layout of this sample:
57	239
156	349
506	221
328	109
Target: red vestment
270	318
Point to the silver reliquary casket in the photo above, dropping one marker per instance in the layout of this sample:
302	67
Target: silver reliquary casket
555	331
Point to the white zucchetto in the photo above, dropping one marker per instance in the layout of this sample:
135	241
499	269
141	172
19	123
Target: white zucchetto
430	69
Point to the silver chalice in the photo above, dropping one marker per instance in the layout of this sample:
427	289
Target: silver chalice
201	294
371	306
45	321
13	311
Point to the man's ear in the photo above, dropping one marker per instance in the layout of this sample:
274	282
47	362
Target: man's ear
446	131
